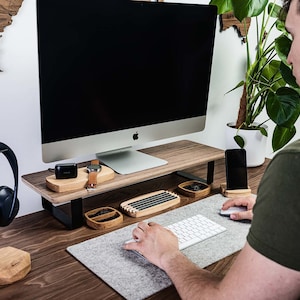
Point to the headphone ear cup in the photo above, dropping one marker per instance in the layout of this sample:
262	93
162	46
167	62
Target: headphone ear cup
7	205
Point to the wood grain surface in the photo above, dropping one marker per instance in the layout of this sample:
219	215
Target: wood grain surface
55	274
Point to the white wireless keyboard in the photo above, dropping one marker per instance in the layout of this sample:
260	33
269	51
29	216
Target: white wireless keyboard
195	229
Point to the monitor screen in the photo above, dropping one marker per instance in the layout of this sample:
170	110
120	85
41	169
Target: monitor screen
116	74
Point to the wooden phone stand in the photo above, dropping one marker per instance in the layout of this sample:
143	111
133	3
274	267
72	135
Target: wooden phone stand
234	193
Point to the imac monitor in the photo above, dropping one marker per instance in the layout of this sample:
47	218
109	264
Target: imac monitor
117	74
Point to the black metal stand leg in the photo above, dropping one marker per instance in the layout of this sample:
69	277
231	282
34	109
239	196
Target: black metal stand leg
210	172
75	220
209	176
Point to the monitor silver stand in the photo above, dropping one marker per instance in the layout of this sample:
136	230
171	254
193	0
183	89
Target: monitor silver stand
127	161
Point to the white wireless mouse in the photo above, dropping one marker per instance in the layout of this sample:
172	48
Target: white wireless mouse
233	209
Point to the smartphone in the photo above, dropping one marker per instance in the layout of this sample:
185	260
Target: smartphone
236	169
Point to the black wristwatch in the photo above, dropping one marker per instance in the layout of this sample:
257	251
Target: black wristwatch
93	169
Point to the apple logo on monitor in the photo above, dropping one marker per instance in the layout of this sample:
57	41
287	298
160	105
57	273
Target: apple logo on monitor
135	136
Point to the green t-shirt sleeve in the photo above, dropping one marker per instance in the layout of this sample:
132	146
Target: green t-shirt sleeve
275	228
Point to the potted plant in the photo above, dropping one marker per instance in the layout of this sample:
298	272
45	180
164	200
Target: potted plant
268	83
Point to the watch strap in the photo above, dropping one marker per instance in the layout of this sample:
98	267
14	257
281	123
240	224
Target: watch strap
95	162
92	182
92	176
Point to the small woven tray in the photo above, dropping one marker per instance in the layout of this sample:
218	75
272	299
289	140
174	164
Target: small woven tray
103	217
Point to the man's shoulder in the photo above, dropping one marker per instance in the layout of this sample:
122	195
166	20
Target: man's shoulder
288	156
290	148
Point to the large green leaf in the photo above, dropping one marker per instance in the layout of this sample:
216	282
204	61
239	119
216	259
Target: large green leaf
248	8
281	136
241	8
287	75
283	107
271	75
280	25
223	6
274	10
282	46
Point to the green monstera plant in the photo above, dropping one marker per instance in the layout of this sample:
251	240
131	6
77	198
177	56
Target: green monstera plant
268	84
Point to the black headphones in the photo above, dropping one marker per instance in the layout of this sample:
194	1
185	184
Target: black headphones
9	203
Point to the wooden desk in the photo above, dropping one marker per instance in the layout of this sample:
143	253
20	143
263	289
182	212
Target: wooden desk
56	274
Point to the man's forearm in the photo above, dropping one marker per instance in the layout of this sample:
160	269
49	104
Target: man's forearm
189	280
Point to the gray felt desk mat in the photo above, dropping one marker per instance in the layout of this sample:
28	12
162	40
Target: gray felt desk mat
135	278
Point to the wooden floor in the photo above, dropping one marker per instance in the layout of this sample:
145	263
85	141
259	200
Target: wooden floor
55	274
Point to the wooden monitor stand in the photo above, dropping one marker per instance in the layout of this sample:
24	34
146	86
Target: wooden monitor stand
180	155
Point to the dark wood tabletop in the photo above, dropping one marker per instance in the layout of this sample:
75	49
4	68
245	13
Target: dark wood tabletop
55	274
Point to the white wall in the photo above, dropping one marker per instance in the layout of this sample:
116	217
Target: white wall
19	98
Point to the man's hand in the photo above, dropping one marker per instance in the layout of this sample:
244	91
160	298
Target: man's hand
241	201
